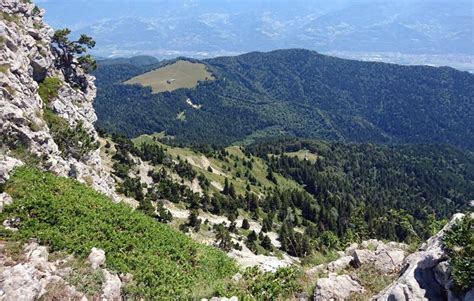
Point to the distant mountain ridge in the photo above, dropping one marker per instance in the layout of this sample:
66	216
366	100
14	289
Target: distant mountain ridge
298	93
204	29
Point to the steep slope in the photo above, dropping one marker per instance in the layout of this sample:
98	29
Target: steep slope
38	105
300	93
73	218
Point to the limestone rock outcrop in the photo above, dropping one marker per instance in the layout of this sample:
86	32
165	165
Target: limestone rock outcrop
33	276
26	59
386	258
426	275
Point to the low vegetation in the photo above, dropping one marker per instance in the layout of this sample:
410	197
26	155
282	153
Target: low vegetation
255	284
71	217
459	245
48	89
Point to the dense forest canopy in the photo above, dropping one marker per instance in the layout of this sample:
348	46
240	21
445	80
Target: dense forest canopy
349	193
295	92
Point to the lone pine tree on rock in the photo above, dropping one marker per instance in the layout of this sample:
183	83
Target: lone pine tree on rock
72	54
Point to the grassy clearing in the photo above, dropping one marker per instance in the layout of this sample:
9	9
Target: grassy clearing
181	116
303	154
181	74
69	216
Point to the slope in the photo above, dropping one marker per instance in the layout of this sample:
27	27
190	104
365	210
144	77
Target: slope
71	217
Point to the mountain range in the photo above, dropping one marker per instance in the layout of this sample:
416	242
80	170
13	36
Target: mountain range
294	92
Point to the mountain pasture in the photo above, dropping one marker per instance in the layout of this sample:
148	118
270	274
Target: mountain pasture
180	74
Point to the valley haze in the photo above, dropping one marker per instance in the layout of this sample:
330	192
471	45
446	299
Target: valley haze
414	32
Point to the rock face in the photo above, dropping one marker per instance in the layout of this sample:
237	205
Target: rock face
336	287
426	274
25	60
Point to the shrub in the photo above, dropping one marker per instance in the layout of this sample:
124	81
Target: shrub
71	217
48	89
71	141
259	285
459	245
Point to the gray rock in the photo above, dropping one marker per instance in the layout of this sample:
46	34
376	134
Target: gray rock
237	277
385	259
442	273
336	288
7	164
5	199
418	281
339	264
96	258
111	287
21	283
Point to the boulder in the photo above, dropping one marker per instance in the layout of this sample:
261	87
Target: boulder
96	258
385	260
21	283
336	288
339	264
37	256
7	164
111	286
5	199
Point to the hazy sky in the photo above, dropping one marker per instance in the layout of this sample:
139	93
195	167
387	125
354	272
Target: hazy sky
202	28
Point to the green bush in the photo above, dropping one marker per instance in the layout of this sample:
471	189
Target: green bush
459	245
259	285
48	89
74	141
69	216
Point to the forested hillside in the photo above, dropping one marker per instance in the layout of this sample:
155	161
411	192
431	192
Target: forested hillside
346	192
295	92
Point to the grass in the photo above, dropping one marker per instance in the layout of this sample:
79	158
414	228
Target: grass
84	278
181	74
4	68
372	280
317	258
10	18
71	217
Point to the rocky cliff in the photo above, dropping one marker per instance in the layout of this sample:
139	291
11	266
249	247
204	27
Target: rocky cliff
26	63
